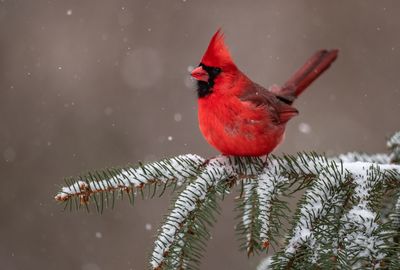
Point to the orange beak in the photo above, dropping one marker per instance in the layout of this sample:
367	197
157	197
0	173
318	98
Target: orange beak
200	74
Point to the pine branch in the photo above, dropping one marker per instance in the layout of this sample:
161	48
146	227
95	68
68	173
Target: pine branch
317	204
187	205
102	187
360	234
348	217
327	194
248	228
363	157
394	146
271	185
393	258
191	210
187	250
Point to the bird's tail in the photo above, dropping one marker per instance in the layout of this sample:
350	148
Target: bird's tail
311	70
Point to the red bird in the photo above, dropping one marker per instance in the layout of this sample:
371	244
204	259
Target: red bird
236	115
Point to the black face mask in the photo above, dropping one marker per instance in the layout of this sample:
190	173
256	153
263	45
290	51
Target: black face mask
205	88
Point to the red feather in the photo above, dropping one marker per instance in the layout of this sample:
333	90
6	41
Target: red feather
217	53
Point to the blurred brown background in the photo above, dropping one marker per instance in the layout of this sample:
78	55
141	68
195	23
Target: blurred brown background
90	84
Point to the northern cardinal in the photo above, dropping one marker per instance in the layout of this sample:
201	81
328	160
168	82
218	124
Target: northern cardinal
236	115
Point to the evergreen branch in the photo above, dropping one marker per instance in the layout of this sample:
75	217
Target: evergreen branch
261	210
394	146
249	225
360	235
187	205
395	217
390	215
319	201
326	194
191	242
270	185
340	221
393	257
98	185
363	157
265	264
217	171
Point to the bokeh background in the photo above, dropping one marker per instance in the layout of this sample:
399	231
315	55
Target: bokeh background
91	84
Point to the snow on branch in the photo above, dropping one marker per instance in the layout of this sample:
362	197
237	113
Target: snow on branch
329	194
318	201
217	171
338	221
381	158
249	226
361	236
86	187
394	145
188	201
269	187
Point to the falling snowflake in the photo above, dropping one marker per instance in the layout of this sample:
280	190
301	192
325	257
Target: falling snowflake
304	128
178	117
148	227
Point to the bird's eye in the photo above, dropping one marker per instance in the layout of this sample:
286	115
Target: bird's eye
216	71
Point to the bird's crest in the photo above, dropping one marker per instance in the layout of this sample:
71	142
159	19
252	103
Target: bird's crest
217	54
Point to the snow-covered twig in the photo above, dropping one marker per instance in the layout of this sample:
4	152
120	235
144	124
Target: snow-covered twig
249	224
177	170
337	223
394	145
269	187
381	158
189	200
359	233
324	194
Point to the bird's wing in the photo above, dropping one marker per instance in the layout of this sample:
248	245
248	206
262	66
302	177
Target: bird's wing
279	109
